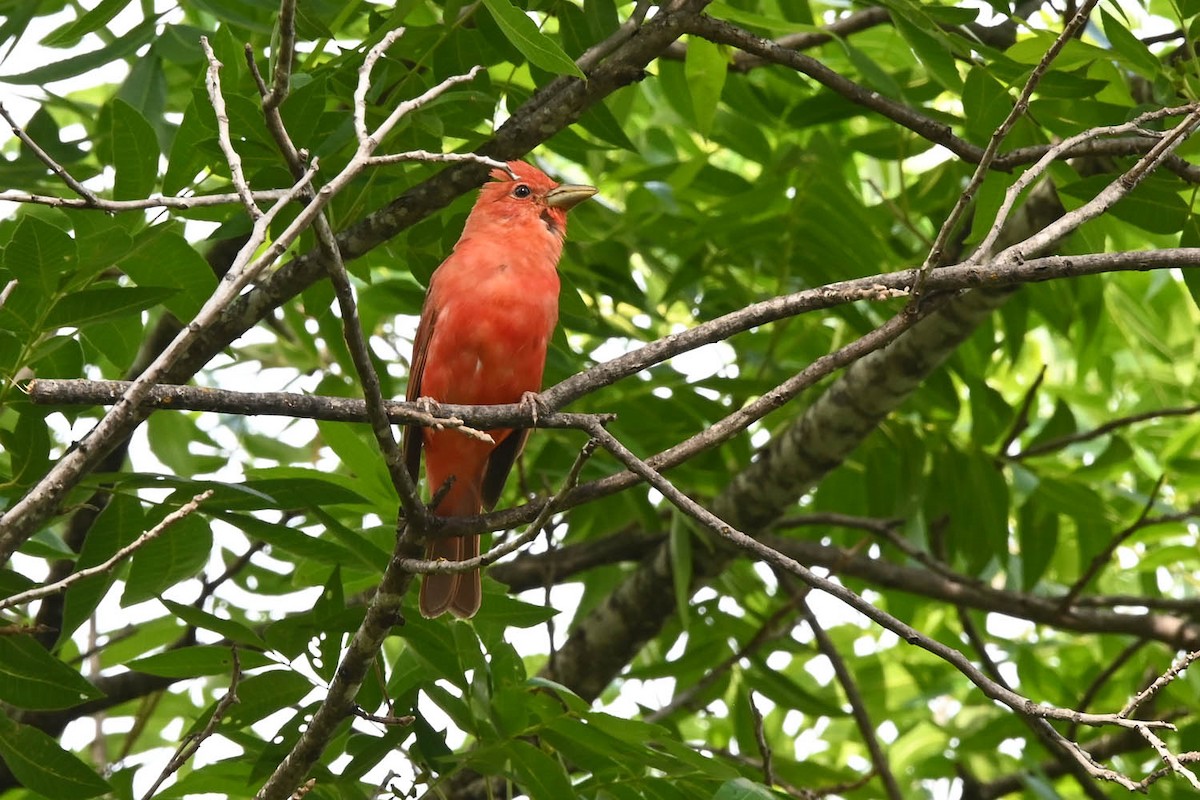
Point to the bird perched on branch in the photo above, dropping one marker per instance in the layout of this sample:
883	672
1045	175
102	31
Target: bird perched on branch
486	323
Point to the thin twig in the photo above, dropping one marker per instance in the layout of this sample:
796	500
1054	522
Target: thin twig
7	291
858	708
1159	683
389	720
1021	419
153	201
1101	559
906	632
884	529
1106	199
284	55
760	739
110	564
441	158
1054	153
356	343
1102	679
1061	442
771	629
87	194
936	253
189	746
421	566
22	518
1166	755
224	136
1071	756
597	52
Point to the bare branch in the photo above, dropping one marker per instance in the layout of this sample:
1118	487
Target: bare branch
780	623
1101	559
760	738
87	194
110	564
1055	152
937	252
189	746
1160	683
440	158
284	55
906	632
1062	442
21	519
234	160
512	545
52	391
858	708
1108	197
7	291
153	201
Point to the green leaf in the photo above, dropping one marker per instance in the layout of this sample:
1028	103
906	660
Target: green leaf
743	789
601	122
1130	47
931	49
705	66
986	103
1154	204
145	89
118	525
188	154
262	695
135	153
1037	535
177	554
520	30
539	775
303	488
32	678
230	629
69	34
193	662
40	765
39	253
95	305
121	47
101	242
189	274
29	446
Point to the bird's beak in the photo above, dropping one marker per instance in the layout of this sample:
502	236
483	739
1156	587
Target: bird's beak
568	195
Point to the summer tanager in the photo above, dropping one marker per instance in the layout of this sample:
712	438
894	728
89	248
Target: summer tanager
485	325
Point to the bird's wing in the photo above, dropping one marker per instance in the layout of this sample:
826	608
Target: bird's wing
413	434
499	464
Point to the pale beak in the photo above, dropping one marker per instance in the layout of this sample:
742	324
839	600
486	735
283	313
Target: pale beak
568	195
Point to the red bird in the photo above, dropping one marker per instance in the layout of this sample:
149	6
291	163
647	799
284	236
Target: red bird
486	323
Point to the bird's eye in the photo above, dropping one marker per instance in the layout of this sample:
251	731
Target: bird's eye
522	191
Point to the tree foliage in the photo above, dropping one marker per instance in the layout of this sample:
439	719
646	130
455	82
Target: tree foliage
894	307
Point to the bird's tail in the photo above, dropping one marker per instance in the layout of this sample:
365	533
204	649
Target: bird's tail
460	593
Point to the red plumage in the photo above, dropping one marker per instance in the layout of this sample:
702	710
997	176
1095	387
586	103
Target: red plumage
485	326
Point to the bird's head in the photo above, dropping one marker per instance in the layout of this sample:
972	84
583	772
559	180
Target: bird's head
531	201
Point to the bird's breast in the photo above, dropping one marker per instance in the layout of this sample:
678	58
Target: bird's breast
493	328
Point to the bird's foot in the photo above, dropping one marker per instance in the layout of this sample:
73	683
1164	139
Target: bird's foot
533	403
426	405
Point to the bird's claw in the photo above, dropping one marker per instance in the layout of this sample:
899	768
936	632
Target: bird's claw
533	403
426	405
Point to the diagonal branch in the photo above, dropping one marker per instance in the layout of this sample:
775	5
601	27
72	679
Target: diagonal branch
89	197
111	563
